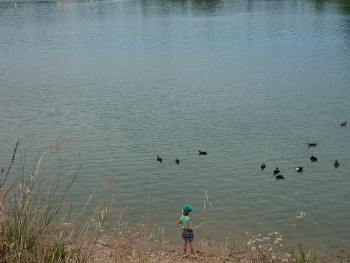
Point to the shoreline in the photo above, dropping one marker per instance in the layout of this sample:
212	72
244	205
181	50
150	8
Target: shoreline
104	252
109	249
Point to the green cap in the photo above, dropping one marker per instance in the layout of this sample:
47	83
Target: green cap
187	208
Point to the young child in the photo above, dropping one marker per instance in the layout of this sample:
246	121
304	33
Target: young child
187	229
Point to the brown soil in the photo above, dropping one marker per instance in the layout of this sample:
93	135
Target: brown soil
104	253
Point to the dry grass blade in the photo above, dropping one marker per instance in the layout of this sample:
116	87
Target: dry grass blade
2	181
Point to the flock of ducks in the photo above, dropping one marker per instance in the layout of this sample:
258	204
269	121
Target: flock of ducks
299	169
276	172
177	161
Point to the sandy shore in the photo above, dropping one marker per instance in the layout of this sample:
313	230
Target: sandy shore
104	253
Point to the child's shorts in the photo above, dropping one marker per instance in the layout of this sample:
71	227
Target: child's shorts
187	235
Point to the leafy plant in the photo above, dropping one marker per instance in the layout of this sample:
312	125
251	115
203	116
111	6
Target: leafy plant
303	257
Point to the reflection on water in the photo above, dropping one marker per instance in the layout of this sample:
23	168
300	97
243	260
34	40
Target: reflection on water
321	5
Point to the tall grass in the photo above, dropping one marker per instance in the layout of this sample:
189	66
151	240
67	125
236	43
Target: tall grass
34	227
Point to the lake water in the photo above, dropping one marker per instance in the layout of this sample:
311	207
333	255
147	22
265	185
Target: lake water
250	82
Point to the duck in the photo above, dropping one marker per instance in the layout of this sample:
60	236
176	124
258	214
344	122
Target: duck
263	166
343	123
280	176
336	164
276	171
299	169
159	159
312	144
313	158
177	161
202	153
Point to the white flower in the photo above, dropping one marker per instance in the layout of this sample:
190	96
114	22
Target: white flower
288	255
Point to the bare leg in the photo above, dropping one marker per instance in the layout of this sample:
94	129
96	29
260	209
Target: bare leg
185	247
192	248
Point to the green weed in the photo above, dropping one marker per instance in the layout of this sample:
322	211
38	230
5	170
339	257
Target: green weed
303	257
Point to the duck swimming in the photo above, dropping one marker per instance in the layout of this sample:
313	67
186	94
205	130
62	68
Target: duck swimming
312	144
202	153
177	161
299	169
343	123
280	176
263	166
276	171
336	164
159	159
313	158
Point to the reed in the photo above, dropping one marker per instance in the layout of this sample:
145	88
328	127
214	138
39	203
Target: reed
34	227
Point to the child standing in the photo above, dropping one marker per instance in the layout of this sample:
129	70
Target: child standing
187	229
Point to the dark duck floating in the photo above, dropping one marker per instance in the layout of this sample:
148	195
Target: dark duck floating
177	161
299	169
313	158
263	166
343	124
159	159
336	164
312	144
202	153
280	176
276	171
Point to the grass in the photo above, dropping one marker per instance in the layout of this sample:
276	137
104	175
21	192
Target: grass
33	226
37	226
303	257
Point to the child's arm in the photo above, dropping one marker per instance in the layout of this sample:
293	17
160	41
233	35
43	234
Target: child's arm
179	222
188	225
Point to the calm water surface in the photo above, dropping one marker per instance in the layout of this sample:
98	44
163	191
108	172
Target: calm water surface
250	82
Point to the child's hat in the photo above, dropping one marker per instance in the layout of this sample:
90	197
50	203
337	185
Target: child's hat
187	208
